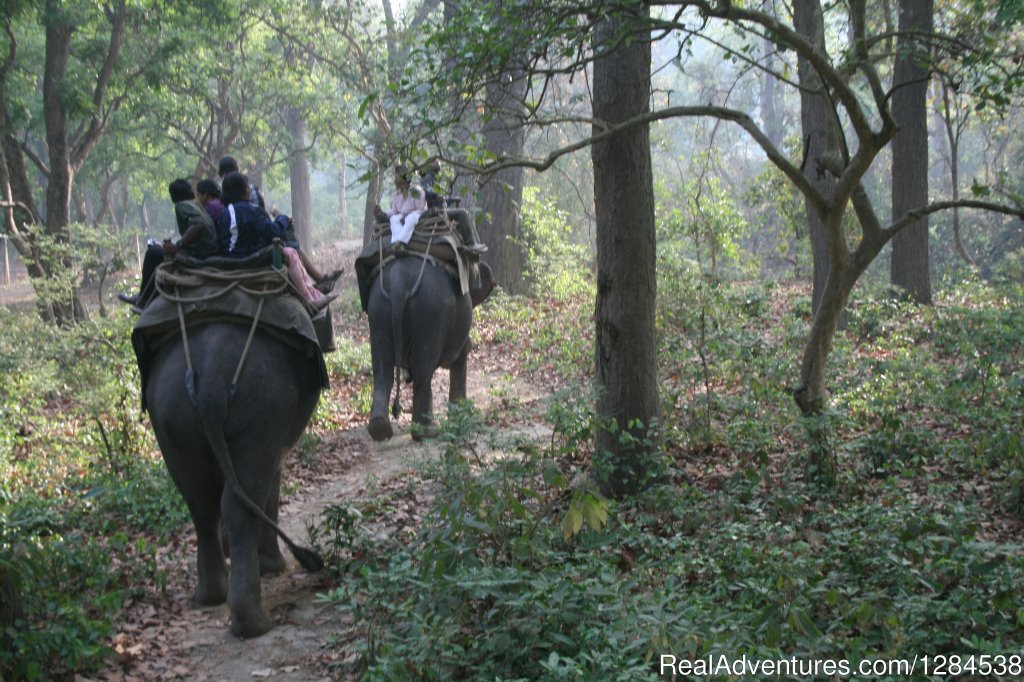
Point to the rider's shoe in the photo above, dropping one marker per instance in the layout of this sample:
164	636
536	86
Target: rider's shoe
476	248
325	301
326	284
128	298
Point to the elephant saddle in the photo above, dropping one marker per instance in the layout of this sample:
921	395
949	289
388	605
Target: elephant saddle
193	296
434	237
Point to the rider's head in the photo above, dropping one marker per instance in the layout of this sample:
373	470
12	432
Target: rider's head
403	178
208	188
235	188
227	164
180	190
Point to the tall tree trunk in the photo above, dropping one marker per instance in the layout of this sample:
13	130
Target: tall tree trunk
909	268
625	340
302	203
817	120
772	123
343	194
143	230
373	192
69	307
502	195
771	93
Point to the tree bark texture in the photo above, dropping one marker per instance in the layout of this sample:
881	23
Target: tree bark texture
817	120
298	166
61	175
909	267
625	339
771	97
373	197
501	196
58	189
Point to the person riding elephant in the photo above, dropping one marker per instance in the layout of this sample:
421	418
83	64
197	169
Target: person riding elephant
407	205
430	173
198	240
324	281
244	229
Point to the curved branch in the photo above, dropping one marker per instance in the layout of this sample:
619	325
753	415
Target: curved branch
738	117
727	11
934	207
97	122
36	159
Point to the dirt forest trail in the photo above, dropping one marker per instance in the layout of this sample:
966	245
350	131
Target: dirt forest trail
174	641
165	638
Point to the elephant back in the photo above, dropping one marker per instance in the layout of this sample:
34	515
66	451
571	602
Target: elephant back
280	315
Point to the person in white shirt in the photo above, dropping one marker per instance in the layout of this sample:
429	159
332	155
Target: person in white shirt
407	204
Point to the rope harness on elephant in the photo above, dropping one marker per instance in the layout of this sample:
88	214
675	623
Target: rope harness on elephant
260	283
431	225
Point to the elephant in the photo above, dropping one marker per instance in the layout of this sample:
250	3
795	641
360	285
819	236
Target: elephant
223	438
419	321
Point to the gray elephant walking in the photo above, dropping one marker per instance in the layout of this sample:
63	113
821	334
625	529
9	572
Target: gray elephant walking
419	321
226	408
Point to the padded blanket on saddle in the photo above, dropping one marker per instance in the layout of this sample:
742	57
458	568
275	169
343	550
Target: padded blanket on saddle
212	295
433	235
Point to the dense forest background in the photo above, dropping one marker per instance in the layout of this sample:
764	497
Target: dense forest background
767	258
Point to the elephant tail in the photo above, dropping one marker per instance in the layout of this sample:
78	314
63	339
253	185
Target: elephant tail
400	296
214	427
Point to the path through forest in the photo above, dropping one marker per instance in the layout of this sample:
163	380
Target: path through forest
165	638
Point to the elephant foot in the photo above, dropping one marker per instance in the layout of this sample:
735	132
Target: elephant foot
248	622
380	428
212	592
421	432
271	564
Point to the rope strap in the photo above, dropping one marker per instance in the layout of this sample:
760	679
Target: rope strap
245	351
169	281
262	282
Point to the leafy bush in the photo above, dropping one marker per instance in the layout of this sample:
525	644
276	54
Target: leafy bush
508	580
556	266
83	504
552	337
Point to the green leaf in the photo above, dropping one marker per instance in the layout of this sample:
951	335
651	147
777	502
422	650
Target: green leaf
573	521
595	510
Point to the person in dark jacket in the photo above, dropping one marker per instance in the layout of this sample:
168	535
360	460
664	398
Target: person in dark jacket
244	229
198	239
324	281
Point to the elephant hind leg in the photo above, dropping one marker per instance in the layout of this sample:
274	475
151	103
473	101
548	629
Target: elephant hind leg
248	617
458	376
271	559
203	503
212	586
424	426
380	428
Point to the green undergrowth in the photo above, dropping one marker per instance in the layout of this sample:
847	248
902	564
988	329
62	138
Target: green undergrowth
85	499
520	570
551	338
